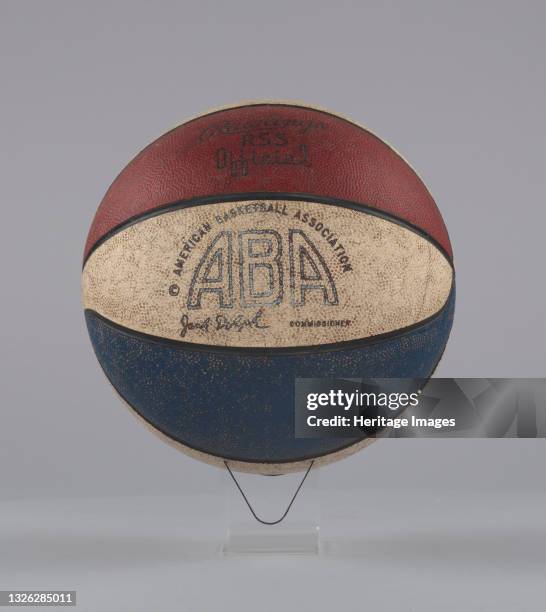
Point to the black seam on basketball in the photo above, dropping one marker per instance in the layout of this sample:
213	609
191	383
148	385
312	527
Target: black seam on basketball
293	197
281	350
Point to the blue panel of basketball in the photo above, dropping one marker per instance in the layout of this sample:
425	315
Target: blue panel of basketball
241	405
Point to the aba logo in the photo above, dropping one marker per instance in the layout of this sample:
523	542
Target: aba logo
264	268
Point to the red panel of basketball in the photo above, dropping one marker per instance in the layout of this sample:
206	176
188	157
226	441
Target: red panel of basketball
269	148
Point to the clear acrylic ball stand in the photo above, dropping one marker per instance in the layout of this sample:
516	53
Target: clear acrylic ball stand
297	533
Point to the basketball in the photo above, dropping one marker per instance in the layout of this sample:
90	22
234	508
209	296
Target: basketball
252	246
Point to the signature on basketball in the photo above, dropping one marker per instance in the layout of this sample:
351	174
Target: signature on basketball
220	321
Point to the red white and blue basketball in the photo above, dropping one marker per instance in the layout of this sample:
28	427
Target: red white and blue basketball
251	246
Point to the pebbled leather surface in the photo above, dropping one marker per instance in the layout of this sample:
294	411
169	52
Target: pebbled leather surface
127	278
176	389
273	148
